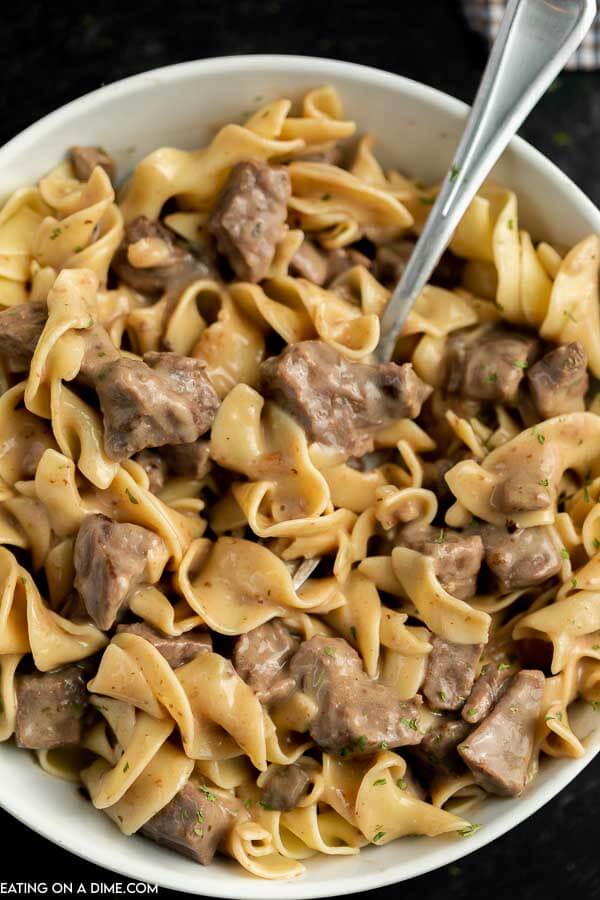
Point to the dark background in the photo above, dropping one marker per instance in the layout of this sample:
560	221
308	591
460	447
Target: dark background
53	53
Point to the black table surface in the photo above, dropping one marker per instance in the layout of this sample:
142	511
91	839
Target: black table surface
52	54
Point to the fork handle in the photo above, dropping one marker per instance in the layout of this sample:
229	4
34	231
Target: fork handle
535	40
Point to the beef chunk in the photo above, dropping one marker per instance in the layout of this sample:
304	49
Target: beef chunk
177	650
50	708
155	468
450	674
176	264
499	750
391	261
309	262
437	753
521	490
434	477
285	786
457	557
486	691
559	381
526	557
32	453
193	824
20	329
341	259
189	460
111	559
249	217
166	399
85	160
355	715
339	402
488	363
261	657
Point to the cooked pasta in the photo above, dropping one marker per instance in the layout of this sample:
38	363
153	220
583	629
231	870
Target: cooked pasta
190	408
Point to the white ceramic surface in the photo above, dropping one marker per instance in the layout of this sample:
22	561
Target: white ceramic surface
418	129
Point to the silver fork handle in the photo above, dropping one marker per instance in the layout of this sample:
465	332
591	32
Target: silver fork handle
535	40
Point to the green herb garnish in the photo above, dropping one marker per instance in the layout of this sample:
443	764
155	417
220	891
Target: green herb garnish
471	829
131	497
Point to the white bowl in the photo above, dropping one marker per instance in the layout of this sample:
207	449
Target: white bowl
418	129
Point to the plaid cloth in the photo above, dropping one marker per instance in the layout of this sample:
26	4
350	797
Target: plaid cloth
484	16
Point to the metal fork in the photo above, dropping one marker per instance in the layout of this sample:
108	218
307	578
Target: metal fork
535	40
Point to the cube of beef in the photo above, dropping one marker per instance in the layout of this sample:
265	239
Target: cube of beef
248	219
151	259
355	715
559	381
338	402
166	399
50	708
111	559
261	657
176	649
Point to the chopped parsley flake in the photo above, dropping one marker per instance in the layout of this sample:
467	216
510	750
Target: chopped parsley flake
131	497
596	544
353	631
264	805
78	249
574	582
22	579
514	709
248	803
126	767
378	836
469	830
380	781
427	201
558	717
492	377
471	712
510	224
454	170
569	315
562	139
383	745
443	696
198	832
362	742
208	793
596	705
55	233
565	553
540	437
521	364
440	538
329	651
544	482
409	723
503	666
401	782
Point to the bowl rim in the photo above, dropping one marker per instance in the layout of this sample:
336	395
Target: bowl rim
299	889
